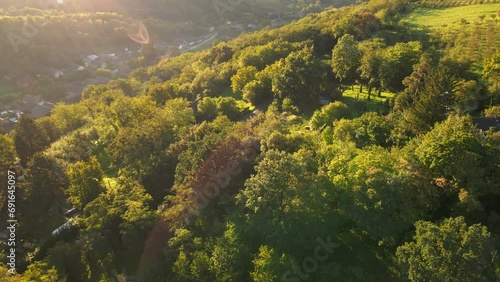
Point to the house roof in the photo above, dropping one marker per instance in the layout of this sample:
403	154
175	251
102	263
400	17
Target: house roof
487	123
7	125
40	111
27	107
60	228
73	98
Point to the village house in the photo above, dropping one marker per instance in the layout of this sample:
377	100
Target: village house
39	111
35	107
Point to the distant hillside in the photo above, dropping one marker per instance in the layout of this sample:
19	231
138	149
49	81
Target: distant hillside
175	10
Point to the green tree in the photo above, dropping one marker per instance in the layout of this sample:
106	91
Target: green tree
48	181
68	117
329	113
192	262
491	74
143	150
382	197
161	93
94	91
492	112
125	111
465	96
370	62
130	86
218	54
433	102
414	83
207	108
85	182
65	257
453	151
300	77
116	226
285	195
242	78
208	82
268	265
42	192
229	107
369	129
6	276
28	139
264	55
230	257
40	271
397	63
254	91
346	57
449	251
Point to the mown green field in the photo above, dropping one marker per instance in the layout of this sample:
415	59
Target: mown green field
374	104
455	3
469	33
438	17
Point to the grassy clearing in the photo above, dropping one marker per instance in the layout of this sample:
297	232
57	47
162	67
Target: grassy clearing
455	3
374	104
439	17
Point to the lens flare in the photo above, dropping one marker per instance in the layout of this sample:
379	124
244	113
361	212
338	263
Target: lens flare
138	33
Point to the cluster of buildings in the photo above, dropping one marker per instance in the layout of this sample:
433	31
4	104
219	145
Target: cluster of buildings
36	107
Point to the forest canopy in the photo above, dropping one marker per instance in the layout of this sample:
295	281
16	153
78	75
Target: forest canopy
348	145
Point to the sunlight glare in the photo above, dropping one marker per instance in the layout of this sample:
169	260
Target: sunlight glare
138	33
